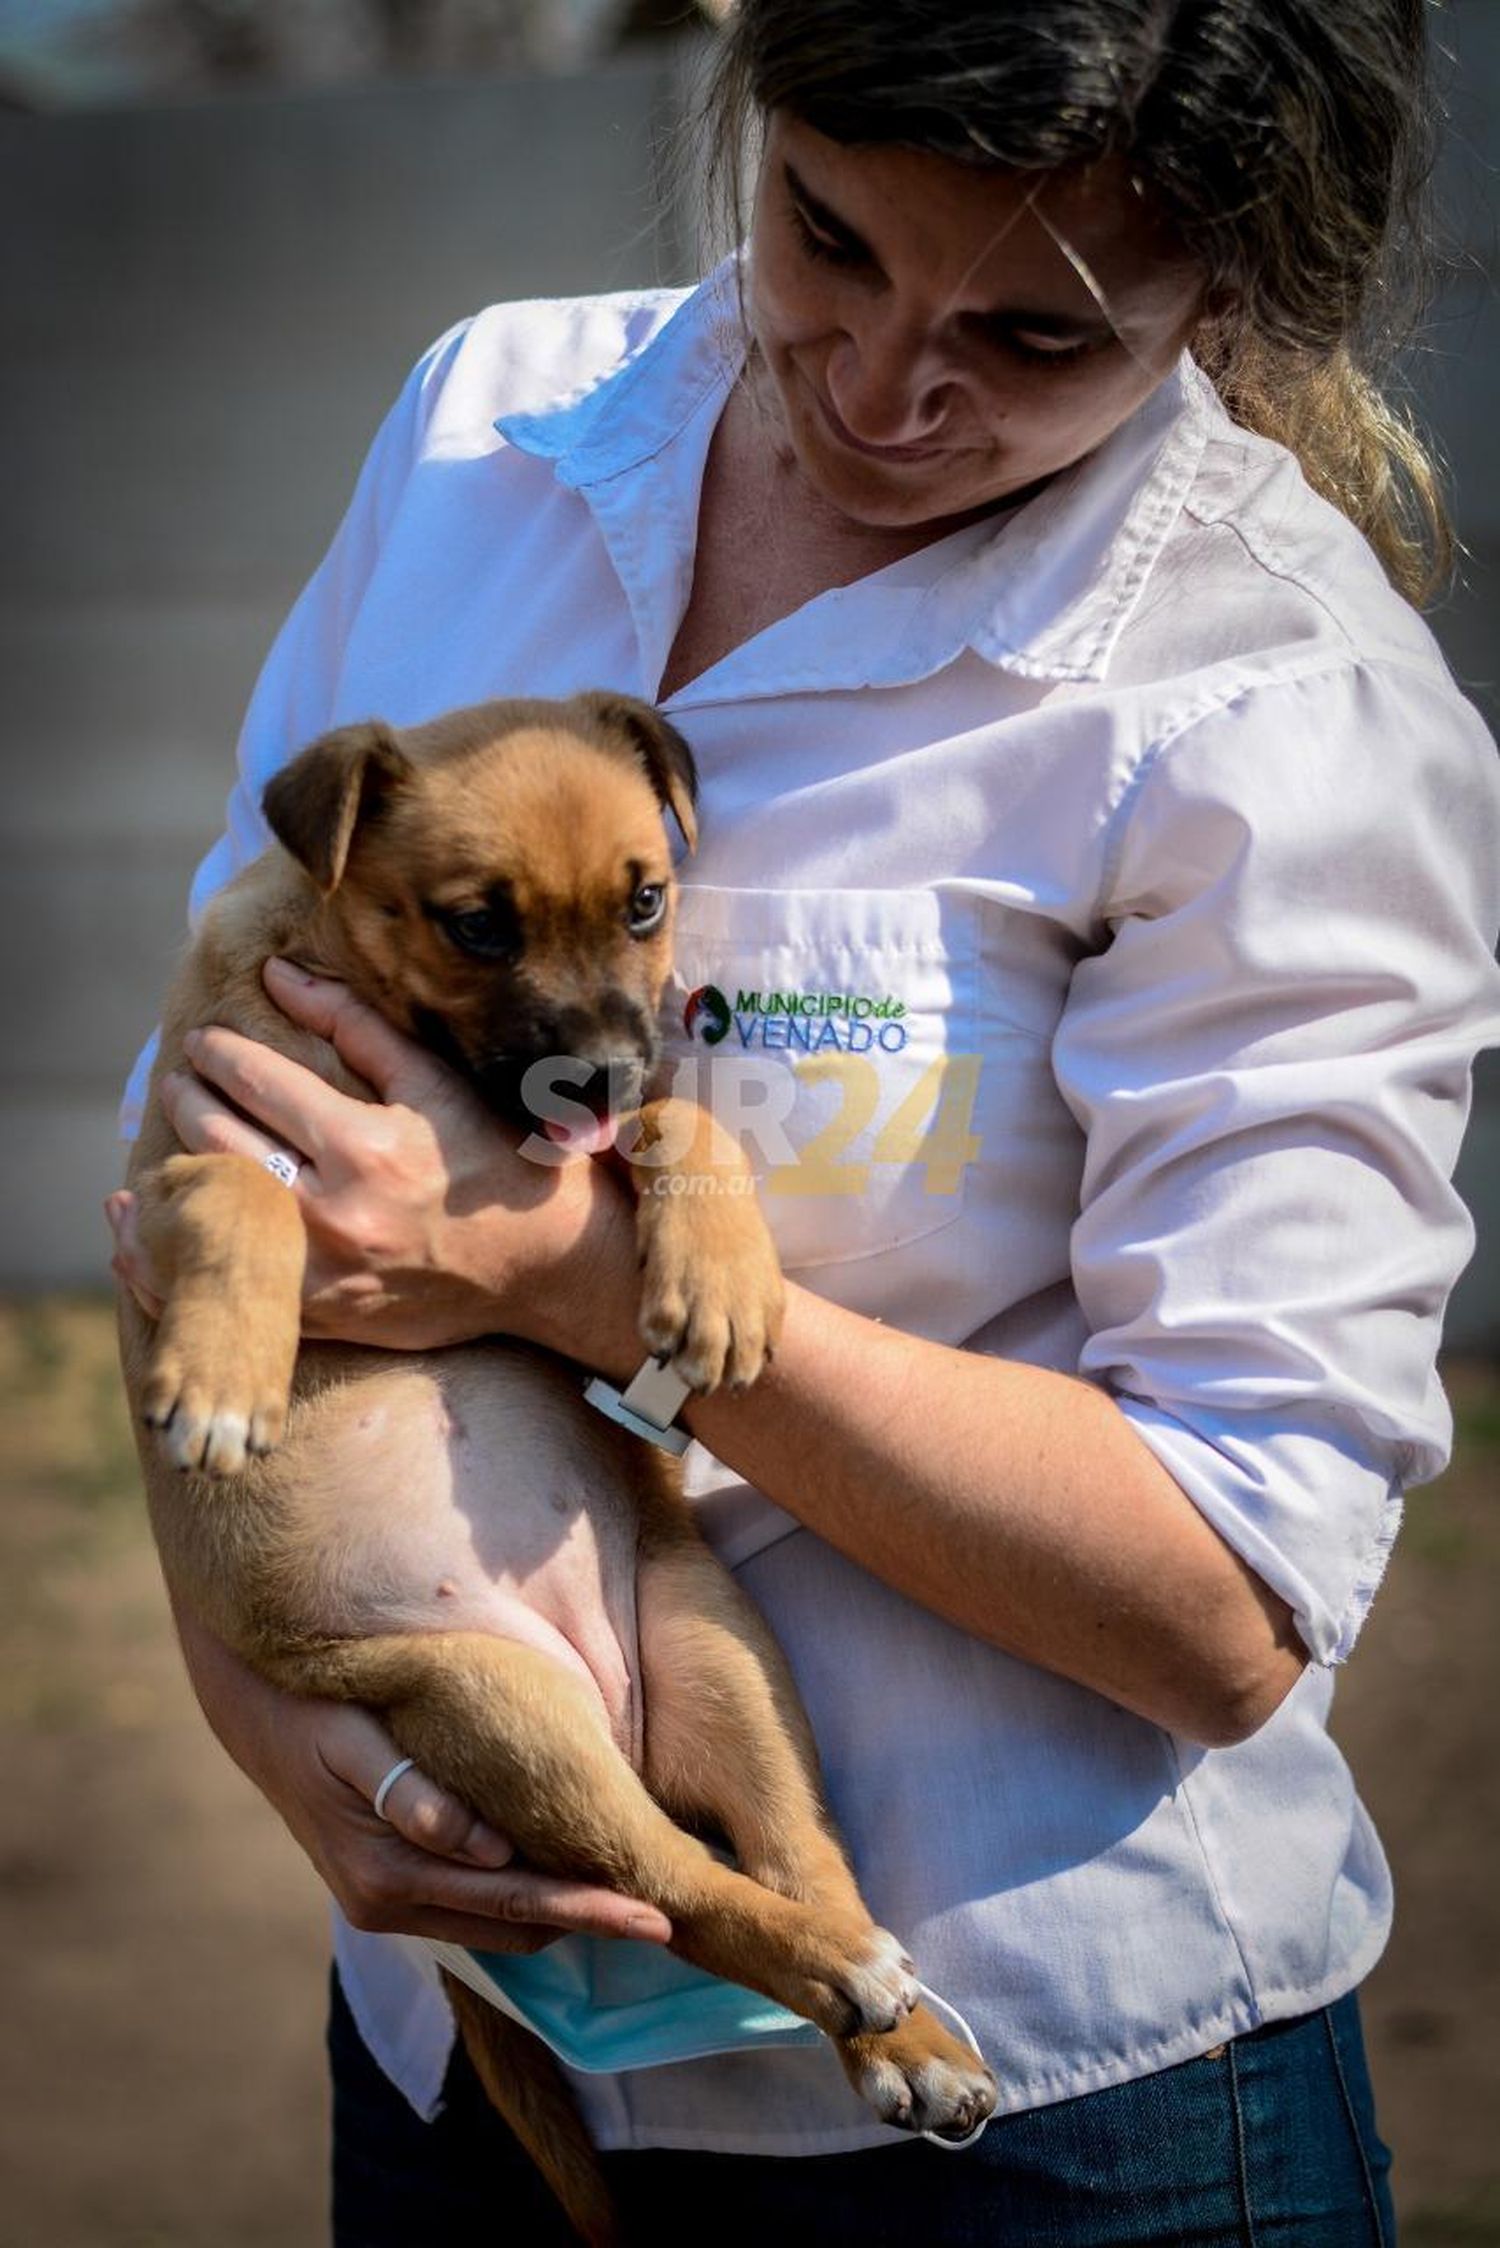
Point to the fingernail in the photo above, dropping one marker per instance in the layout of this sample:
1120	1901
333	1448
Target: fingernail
649	1927
289	972
112	1213
192	1041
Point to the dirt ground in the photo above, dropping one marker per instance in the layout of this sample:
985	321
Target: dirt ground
162	1942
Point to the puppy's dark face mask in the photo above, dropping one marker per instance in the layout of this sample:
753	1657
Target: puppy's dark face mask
499	885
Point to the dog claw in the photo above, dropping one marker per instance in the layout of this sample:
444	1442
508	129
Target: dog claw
202	1439
883	1989
710	1305
921	2078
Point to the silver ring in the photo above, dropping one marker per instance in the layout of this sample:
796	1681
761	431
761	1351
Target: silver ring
282	1165
407	1764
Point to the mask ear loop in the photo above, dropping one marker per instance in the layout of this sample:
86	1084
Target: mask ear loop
935	2138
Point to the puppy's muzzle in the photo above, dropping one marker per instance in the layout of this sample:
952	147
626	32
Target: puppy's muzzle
552	1088
548	1066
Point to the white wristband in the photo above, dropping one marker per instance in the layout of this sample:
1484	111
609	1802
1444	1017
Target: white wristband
648	1407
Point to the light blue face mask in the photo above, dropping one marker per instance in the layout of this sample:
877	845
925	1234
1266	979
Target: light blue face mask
604	2003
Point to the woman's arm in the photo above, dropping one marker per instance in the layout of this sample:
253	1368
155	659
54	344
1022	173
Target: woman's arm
1020	1504
1017	1502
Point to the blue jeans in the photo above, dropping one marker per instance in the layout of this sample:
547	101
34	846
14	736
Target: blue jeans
1268	2141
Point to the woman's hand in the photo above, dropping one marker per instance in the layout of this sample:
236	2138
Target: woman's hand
426	1225
428	1867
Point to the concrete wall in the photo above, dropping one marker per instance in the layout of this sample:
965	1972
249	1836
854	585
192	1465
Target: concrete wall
203	313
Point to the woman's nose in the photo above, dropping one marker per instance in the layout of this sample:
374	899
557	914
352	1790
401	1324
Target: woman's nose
887	384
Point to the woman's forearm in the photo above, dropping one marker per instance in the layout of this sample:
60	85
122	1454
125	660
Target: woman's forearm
1016	1502
238	1704
1020	1504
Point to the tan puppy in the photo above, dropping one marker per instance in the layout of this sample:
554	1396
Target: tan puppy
540	1624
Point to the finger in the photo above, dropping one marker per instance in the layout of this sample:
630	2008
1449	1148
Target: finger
427	1816
356	1748
397	1068
207	1125
130	1264
576	1907
513	1908
119	1216
288	1106
150	1303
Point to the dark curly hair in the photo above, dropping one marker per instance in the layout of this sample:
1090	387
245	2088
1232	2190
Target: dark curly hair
1289	143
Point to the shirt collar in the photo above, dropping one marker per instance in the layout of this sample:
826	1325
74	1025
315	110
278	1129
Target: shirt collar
638	408
1046	595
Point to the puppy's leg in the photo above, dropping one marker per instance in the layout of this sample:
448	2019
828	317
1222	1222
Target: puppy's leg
521	1739
727	1739
227	1241
711	1287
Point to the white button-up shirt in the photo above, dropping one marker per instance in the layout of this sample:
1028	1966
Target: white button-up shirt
1106	897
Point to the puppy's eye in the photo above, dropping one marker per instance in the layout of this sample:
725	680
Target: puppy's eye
646	908
484	934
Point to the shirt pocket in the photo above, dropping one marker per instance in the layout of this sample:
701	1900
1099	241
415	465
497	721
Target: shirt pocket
836	1034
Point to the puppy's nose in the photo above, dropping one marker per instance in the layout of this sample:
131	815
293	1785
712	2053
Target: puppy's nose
614	1036
614	1084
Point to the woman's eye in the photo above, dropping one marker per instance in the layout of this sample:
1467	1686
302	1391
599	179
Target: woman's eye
1044	350
482	933
646	908
825	247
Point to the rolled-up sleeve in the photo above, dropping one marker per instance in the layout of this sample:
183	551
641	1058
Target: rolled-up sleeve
1270	1058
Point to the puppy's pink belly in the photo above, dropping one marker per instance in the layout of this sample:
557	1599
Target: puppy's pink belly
473	1494
575	1608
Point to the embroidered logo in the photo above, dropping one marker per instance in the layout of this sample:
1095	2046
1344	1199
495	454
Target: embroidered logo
820	1022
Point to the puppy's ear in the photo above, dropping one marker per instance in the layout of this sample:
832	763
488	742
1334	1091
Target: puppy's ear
315	803
660	748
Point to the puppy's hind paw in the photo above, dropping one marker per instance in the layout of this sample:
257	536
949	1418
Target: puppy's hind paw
919	2077
868	1985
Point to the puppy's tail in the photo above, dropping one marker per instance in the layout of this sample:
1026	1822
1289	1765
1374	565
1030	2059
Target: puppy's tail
525	2083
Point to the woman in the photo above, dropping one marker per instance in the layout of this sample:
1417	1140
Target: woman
1049	719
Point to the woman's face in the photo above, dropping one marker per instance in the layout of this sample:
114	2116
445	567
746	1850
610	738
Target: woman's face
942	337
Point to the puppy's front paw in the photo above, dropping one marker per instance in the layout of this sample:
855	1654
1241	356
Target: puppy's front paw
212	1406
711	1288
227	1240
